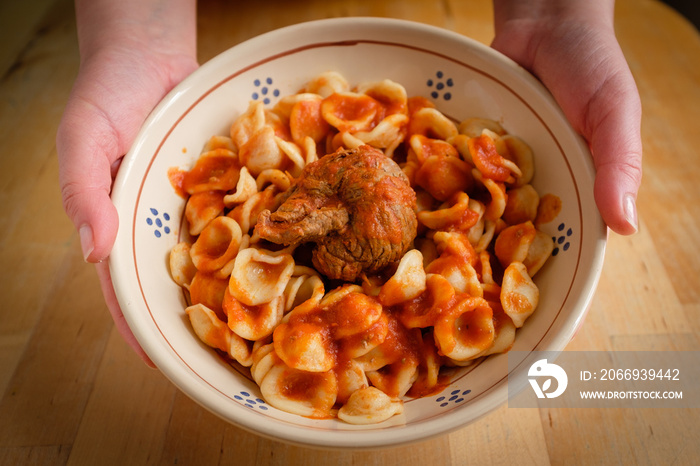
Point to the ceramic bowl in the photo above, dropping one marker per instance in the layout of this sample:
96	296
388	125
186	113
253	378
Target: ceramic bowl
463	78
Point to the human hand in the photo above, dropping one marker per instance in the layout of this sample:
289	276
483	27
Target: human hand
570	46
127	66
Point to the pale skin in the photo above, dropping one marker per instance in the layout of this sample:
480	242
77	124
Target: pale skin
569	45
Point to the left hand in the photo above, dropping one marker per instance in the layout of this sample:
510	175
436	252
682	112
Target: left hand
570	45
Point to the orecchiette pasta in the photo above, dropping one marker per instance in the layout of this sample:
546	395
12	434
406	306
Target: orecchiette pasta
202	208
519	294
245	189
327	83
217	245
258	277
321	347
473	127
521	205
252	322
350	111
310	394
407	283
207	289
369	406
182	268
214	332
465	330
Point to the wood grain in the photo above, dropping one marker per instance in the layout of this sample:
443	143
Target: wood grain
72	392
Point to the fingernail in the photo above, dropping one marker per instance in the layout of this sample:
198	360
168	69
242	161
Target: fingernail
630	208
86	241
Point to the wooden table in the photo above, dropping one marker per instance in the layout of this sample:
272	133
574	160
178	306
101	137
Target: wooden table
72	392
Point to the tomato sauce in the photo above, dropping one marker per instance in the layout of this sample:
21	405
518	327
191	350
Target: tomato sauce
443	176
306	119
487	159
356	112
208	290
215	170
237	311
475	327
548	209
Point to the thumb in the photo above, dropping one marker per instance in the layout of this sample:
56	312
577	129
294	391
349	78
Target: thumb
86	178
615	142
599	96
586	71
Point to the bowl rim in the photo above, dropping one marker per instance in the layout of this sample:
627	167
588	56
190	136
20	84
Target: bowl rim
362	438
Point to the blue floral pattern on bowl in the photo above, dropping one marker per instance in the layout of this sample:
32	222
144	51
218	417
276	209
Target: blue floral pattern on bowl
158	222
440	86
455	397
561	242
264	90
251	401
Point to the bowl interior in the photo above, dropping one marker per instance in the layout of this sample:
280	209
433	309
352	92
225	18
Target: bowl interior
464	79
